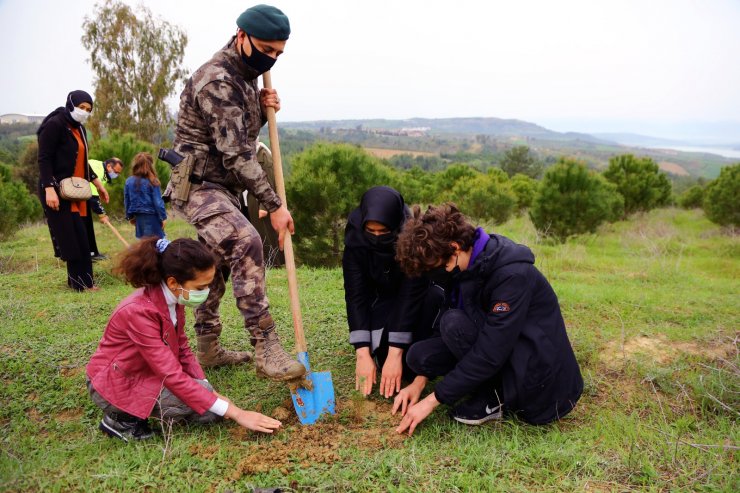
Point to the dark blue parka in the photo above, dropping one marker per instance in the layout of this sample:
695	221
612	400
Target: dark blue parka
522	336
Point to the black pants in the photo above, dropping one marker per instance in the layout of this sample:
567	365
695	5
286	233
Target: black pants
93	245
438	355
428	316
79	269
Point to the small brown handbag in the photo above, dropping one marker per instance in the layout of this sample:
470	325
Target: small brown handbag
75	189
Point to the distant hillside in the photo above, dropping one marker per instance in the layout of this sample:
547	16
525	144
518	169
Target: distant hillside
445	137
498	127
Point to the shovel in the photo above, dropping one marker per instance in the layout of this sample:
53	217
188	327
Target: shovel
115	232
318	398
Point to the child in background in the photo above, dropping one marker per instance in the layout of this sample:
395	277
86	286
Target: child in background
142	198
144	365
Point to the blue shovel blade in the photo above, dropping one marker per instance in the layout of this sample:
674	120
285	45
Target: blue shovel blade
311	404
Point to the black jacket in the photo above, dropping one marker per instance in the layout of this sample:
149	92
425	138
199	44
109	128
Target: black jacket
373	278
58	150
522	336
366	284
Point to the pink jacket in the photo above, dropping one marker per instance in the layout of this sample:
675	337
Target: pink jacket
141	352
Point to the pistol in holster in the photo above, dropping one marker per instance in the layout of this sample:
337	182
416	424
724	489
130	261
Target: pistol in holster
178	189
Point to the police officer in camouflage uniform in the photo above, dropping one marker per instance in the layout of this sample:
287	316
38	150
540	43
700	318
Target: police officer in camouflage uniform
221	112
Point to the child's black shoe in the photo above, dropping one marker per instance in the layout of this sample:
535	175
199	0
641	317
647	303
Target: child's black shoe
125	428
478	410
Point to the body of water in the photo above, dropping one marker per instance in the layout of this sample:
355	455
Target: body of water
721	151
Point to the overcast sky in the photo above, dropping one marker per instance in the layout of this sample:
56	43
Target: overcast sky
658	67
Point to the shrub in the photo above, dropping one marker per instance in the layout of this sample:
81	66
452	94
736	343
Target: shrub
28	167
639	181
721	203
416	185
484	196
573	200
326	183
692	198
16	204
525	189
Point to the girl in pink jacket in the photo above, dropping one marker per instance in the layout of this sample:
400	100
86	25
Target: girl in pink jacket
143	365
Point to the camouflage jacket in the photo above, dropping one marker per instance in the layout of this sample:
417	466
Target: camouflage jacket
219	121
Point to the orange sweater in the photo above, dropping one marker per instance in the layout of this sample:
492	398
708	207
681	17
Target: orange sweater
80	166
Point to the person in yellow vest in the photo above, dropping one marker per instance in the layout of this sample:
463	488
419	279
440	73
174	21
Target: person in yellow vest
107	171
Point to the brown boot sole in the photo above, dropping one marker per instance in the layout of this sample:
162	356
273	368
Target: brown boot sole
283	378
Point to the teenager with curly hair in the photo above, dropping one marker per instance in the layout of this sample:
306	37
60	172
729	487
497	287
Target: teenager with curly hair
502	339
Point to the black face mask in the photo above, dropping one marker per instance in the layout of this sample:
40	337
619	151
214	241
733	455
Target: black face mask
380	242
258	60
441	276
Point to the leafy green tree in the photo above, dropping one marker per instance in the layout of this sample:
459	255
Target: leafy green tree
525	189
16	204
137	60
693	198
573	200
326	183
520	159
28	167
124	147
416	185
639	181
484	198
721	203
443	182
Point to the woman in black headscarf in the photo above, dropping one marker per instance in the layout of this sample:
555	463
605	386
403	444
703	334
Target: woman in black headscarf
62	154
386	311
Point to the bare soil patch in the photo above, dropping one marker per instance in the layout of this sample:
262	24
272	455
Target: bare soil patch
661	350
72	372
204	451
68	415
388	153
673	168
358	424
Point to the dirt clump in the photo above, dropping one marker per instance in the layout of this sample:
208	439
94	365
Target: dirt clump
281	414
204	451
357	424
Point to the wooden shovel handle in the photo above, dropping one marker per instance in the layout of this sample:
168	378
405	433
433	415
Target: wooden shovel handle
277	163
115	232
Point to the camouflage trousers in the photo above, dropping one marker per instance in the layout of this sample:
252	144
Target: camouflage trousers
220	224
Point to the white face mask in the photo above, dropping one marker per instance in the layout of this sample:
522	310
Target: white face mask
80	115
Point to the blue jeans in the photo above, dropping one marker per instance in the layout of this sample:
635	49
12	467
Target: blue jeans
148	225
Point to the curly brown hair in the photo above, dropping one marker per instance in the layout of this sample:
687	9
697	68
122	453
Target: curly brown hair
143	265
426	239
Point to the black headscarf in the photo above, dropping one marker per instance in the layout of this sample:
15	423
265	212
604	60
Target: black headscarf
386	206
74	98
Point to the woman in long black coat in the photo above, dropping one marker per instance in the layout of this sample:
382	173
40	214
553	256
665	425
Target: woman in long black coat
62	154
386	310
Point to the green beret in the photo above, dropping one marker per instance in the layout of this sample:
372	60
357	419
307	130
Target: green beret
264	22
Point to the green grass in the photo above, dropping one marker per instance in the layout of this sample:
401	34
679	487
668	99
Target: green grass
652	311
